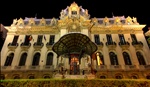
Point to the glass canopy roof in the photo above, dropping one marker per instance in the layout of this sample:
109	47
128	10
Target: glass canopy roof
74	43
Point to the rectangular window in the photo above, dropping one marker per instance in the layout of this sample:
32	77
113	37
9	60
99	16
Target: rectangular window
26	42
134	39
15	40
97	39
39	40
121	37
109	38
51	39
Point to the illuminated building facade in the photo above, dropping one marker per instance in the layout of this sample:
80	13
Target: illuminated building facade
75	45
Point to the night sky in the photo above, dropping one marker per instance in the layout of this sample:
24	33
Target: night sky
11	9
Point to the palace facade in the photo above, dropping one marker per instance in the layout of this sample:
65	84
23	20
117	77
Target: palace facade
75	45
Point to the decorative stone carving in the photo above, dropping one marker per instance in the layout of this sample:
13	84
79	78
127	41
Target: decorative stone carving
117	21
20	22
31	22
135	20
105	21
42	21
53	22
14	22
128	20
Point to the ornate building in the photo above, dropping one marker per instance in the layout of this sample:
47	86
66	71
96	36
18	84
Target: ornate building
75	45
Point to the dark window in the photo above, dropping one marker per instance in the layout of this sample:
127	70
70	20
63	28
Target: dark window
23	59
109	38
51	39
118	77
140	58
148	77
134	39
16	77
102	77
31	77
9	59
27	40
49	60
134	77
126	58
2	77
46	77
97	39
74	12
36	59
39	40
121	37
113	58
15	40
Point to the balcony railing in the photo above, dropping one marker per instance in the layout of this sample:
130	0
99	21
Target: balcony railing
130	67
101	67
38	45
34	67
100	45
137	45
25	45
20	67
115	67
6	67
111	45
48	67
124	45
12	46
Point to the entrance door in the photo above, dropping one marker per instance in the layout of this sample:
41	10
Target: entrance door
74	66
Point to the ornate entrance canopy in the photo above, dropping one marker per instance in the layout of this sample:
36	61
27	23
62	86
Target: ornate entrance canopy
74	43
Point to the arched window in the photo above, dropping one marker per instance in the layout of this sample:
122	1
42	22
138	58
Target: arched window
148	77
23	59
2	77
140	58
102	77
36	59
31	77
126	58
113	58
9	59
16	77
118	77
49	60
46	77
134	77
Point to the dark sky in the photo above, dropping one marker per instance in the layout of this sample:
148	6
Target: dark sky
11	9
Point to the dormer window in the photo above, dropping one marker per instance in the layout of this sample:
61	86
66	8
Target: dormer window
74	12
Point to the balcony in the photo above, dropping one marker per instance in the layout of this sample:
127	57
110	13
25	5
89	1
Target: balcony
48	67
138	45
20	67
130	67
49	45
34	67
38	46
115	67
144	67
100	45
124	45
25	46
12	46
101	68
111	45
6	68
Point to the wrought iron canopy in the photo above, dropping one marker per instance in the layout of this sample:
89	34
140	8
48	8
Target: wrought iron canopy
74	43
